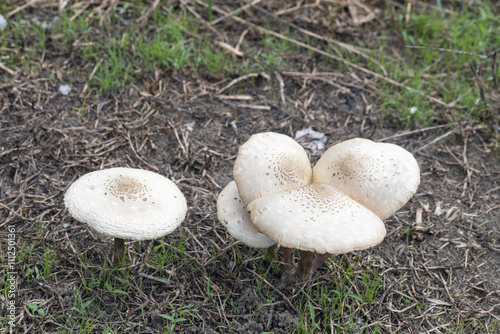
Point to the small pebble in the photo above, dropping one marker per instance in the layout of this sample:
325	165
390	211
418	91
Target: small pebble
64	90
190	126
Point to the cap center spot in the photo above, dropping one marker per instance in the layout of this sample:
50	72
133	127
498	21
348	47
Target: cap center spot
290	169
354	164
125	187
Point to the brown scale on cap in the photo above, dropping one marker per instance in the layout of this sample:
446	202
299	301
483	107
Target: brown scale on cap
287	169
356	167
127	187
319	198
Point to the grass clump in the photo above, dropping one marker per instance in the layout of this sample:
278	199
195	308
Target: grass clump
170	41
113	58
444	75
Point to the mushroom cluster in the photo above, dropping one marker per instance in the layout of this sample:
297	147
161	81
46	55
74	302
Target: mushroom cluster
126	203
334	208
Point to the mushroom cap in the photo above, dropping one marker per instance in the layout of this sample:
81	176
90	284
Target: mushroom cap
380	176
236	219
127	203
317	218
270	162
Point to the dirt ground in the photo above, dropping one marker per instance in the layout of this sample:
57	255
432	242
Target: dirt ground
439	265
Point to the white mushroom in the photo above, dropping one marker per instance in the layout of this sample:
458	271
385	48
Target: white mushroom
268	163
235	218
126	203
380	176
316	218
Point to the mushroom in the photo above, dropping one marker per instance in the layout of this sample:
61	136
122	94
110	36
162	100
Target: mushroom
126	203
267	163
372	179
235	218
270	162
380	176
317	219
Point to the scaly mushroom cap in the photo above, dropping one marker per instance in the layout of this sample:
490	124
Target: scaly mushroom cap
127	203
380	176
317	218
235	218
268	163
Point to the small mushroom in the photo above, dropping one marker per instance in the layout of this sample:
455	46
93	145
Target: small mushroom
317	219
380	176
268	163
126	203
235	218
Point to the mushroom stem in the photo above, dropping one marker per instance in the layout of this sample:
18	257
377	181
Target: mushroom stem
319	260
270	251
306	264
289	260
119	253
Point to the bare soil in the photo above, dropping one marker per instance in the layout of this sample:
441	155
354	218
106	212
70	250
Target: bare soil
439	265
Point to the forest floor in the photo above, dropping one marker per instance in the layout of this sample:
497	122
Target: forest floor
438	269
